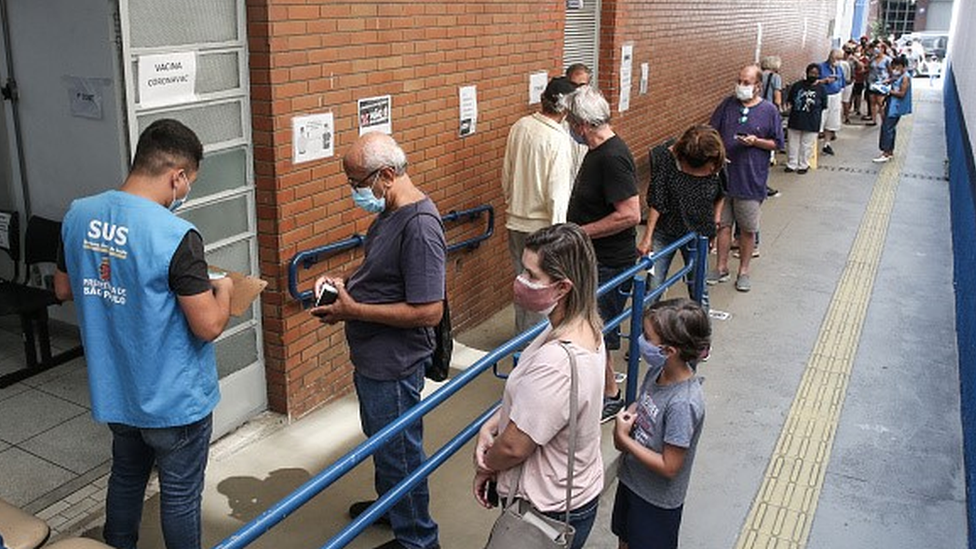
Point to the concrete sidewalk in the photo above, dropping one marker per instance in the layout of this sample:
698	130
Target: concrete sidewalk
894	479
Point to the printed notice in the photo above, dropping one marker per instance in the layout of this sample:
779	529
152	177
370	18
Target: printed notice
626	66
167	79
645	73
374	115
85	96
537	85
312	137
468	107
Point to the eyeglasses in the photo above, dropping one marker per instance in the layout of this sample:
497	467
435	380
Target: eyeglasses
366	181
744	111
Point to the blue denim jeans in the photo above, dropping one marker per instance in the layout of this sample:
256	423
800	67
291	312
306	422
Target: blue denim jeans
581	518
662	264
886	139
180	455
380	403
612	303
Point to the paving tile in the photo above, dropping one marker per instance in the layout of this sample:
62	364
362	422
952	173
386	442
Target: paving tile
78	445
32	412
71	385
54	373
14	389
25	477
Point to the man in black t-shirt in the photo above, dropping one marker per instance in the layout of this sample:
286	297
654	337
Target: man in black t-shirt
606	204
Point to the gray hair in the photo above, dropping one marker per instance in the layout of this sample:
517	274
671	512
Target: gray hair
587	106
380	152
771	63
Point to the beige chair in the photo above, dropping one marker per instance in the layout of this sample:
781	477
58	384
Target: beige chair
77	543
21	530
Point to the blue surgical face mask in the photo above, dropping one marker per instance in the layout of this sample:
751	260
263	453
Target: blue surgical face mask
577	137
177	202
365	199
652	354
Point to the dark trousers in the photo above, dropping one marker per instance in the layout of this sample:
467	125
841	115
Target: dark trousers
886	139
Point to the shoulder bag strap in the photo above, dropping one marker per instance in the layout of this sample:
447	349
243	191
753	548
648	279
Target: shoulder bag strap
573	435
573	411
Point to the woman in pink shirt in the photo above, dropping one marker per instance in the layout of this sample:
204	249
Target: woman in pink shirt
525	446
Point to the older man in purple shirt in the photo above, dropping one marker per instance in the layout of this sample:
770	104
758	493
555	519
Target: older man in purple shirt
750	127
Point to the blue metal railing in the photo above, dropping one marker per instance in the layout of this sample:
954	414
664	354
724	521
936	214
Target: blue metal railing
306	259
278	512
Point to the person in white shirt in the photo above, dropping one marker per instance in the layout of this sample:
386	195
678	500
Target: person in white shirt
536	178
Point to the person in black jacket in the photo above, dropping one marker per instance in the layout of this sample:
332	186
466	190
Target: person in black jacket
807	101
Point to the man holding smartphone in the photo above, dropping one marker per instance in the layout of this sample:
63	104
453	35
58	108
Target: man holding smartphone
750	127
390	305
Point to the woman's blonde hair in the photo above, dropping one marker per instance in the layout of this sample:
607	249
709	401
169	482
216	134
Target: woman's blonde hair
566	253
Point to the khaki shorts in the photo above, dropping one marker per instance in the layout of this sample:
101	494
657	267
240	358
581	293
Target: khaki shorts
745	213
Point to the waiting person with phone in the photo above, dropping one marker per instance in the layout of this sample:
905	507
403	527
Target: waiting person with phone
525	445
898	103
750	127
390	305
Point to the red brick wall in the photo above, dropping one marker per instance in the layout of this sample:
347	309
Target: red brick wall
311	56
695	51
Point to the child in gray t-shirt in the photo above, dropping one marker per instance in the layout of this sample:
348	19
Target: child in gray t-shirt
658	434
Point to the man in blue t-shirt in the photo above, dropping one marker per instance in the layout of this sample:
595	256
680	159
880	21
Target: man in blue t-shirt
750	127
148	313
390	304
832	79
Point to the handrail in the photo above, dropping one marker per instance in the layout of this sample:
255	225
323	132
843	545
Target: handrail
292	502
307	258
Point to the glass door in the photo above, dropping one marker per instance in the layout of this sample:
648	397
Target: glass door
194	56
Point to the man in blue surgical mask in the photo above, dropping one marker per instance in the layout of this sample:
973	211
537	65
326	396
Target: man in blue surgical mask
390	305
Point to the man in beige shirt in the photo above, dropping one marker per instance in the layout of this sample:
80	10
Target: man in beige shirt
536	177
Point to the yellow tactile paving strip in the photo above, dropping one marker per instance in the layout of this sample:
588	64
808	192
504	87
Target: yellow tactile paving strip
782	513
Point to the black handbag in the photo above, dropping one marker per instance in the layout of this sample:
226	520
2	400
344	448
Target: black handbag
521	525
440	364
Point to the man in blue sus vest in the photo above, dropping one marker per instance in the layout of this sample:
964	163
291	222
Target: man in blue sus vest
148	314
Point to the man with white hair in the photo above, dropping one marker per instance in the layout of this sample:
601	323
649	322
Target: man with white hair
606	204
390	305
536	178
832	78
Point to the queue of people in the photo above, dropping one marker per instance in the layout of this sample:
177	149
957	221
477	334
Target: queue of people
571	228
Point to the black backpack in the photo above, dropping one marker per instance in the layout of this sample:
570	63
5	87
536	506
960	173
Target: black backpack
440	365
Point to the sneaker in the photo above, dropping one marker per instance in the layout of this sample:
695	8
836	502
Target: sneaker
788	169
743	284
611	406
716	277
802	171
828	150
620	377
360	507
881	159
772	193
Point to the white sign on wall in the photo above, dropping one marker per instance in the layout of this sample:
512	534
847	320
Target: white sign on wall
537	85
468	110
626	69
167	79
312	137
375	115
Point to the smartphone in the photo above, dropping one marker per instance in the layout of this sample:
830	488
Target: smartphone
491	493
328	296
